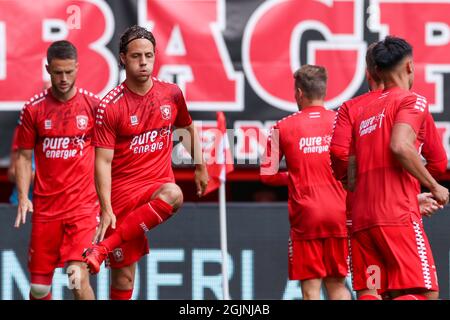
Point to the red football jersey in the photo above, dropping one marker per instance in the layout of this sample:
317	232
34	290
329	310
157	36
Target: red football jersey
316	200
139	130
385	192
431	148
342	133
60	134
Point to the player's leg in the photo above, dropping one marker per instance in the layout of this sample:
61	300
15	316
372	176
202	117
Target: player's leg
335	256
78	234
43	257
164	202
311	289
122	282
410	263
41	286
336	289
366	266
79	281
305	264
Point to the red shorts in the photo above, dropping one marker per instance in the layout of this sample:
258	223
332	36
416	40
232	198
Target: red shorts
54	243
400	255
131	251
318	258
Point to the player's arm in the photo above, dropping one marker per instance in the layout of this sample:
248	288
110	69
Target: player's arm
269	173
103	160
193	146
340	144
433	151
402	146
350	182
278	179
23	180
12	166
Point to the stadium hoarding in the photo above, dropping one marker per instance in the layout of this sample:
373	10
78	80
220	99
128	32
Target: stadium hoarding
185	256
234	56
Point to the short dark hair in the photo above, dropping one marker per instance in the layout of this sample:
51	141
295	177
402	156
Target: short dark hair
312	80
63	50
370	63
133	33
389	52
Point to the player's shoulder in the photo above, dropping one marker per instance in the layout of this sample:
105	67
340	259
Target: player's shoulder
166	86
362	98
418	97
113	97
37	100
406	97
288	120
89	96
33	103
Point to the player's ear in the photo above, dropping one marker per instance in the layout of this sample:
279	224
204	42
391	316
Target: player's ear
122	58
368	76
47	67
410	66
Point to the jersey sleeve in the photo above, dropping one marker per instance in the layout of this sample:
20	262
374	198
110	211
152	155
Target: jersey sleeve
15	140
105	127
432	150
270	161
27	134
341	142
183	118
412	110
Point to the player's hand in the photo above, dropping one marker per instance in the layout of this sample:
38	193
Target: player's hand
440	194
201	179
25	206
427	204
107	219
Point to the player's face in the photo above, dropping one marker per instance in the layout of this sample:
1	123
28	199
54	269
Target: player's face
139	59
63	73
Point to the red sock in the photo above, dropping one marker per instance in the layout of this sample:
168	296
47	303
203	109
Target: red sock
47	297
368	297
139	221
44	279
411	297
117	294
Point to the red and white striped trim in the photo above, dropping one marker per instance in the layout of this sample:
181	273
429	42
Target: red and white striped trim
422	250
314	115
384	95
34	100
88	93
112	97
269	137
421	103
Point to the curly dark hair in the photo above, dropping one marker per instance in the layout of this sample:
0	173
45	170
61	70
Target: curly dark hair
133	33
389	52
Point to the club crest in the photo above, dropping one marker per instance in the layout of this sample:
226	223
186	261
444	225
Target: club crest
82	122
166	112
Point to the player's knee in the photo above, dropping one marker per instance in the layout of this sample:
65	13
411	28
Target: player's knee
172	194
123	281
432	295
79	281
311	294
39	291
